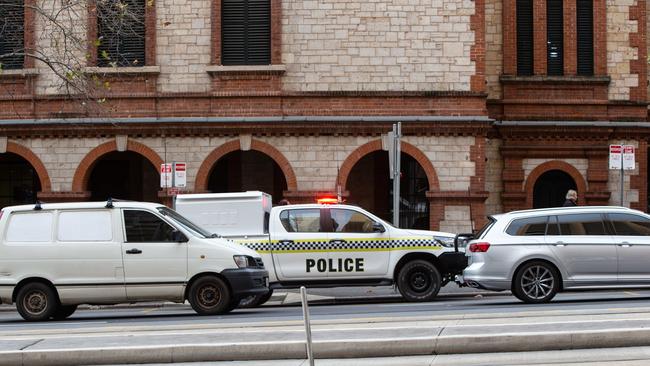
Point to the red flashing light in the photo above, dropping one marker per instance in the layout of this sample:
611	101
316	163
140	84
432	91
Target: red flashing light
479	247
327	201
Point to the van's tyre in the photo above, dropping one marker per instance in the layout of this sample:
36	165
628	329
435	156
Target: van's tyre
418	280
255	301
210	296
36	302
64	311
536	282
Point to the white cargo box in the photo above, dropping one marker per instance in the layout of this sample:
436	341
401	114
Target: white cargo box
227	214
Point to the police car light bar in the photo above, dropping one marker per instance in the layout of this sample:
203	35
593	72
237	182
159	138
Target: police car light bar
327	201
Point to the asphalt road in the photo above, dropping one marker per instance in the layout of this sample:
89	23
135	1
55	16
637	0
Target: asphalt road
182	315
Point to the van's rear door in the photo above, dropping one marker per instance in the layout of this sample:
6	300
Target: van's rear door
155	266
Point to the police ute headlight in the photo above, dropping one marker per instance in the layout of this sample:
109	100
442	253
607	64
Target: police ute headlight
244	261
445	241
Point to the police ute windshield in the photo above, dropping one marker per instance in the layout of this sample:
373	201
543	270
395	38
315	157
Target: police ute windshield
187	224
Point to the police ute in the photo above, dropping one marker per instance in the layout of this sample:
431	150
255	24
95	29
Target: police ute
328	245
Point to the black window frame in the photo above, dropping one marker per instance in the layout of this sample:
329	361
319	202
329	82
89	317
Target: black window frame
245	32
555	37
525	38
118	47
12	21
585	37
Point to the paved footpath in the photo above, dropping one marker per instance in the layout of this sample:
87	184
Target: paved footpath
333	339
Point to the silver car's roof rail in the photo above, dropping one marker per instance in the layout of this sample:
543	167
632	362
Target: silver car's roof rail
572	208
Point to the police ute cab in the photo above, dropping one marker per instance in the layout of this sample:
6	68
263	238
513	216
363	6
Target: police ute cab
327	245
54	257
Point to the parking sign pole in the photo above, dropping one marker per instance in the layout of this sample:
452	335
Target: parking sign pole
622	179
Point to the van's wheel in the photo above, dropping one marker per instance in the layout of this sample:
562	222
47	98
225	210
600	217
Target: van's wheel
255	301
36	302
210	296
536	282
64	311
418	280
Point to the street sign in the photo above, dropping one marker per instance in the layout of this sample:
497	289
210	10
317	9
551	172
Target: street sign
180	176
628	157
166	176
615	156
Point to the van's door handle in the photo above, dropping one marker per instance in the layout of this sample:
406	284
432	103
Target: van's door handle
337	241
133	251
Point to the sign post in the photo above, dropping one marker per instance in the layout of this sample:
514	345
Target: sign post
622	157
396	168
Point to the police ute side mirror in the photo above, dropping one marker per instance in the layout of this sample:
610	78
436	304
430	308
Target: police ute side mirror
179	237
378	228
462	240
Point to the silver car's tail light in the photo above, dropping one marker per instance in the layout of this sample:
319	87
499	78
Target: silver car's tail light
481	247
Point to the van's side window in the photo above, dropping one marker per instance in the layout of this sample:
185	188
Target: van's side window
581	224
528	226
145	227
30	227
301	221
85	226
633	225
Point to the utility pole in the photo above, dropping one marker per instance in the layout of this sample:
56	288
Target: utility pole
395	167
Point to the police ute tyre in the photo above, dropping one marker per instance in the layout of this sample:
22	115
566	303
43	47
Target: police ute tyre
36	302
418	280
210	296
536	282
64	311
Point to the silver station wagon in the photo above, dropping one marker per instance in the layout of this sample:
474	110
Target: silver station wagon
537	253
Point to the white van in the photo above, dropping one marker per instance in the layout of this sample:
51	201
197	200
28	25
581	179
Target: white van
54	257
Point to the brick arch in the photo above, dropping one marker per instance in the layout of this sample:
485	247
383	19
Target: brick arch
372	146
37	164
554	165
203	175
82	174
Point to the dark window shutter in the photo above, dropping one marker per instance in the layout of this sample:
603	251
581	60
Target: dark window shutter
12	33
585	26
524	37
121	33
246	32
554	37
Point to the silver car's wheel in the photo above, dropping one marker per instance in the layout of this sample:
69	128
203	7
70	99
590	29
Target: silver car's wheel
536	282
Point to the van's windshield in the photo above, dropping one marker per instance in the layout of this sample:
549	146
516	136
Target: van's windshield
187	224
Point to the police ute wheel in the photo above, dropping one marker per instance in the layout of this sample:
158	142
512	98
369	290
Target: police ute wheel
64	311
536	282
418	280
36	302
255	301
210	296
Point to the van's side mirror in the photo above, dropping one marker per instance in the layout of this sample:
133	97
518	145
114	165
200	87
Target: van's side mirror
378	228
179	237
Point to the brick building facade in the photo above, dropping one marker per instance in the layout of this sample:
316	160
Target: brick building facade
480	135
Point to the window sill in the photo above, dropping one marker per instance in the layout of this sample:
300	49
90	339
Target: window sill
562	80
216	70
140	70
18	73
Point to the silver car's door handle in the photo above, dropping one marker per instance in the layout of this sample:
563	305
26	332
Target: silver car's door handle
625	244
559	244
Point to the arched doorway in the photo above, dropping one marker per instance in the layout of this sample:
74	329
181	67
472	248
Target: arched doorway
252	170
19	182
124	175
370	187
551	188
